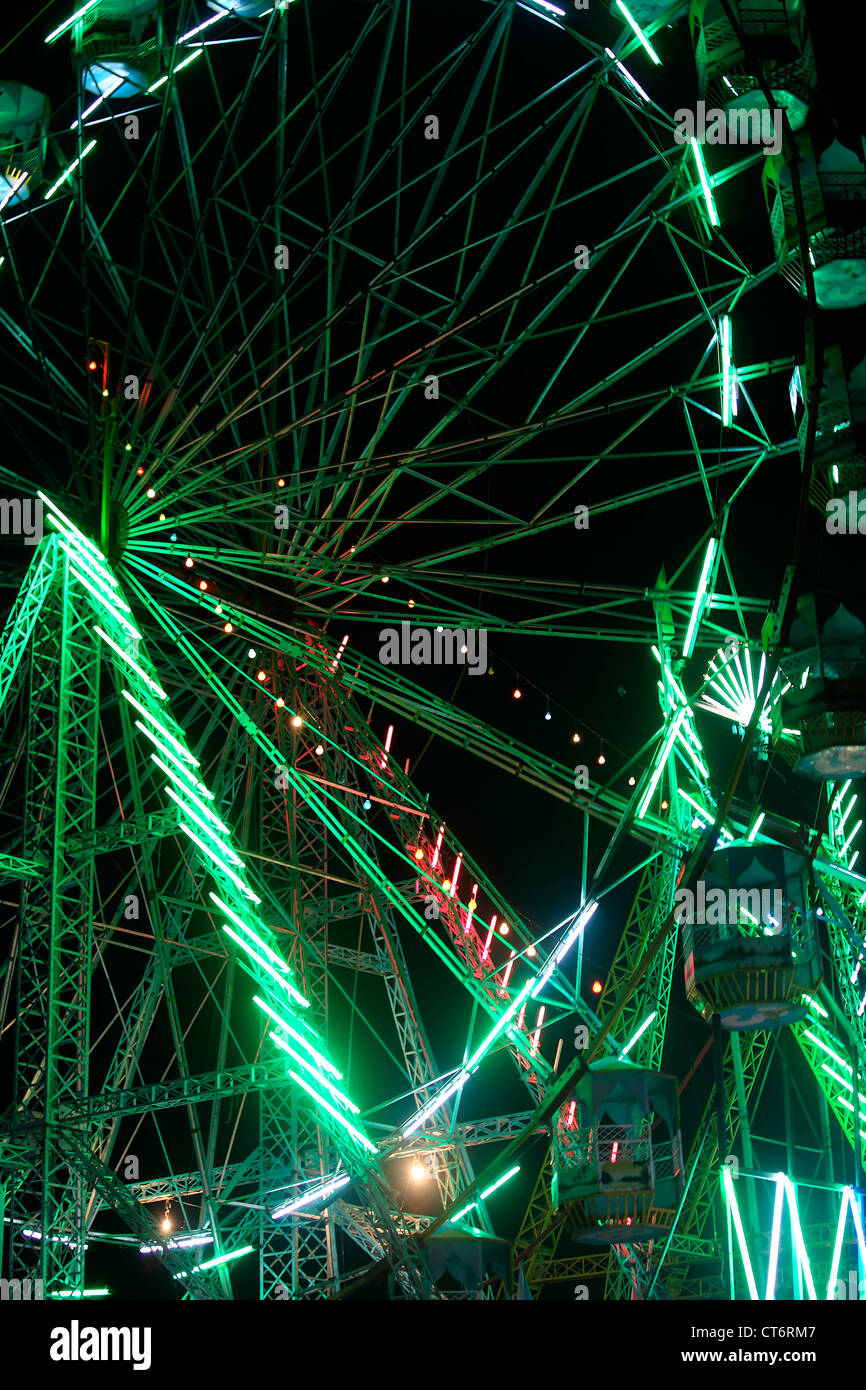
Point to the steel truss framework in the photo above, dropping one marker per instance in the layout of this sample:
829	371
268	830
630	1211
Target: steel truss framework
248	463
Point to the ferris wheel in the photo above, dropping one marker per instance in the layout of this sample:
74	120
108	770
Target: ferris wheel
321	352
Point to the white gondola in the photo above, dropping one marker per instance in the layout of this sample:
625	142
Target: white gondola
827	702
24	115
839	462
834	203
117	47
779	54
617	1155
750	942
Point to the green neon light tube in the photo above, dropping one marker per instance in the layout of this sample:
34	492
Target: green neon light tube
847	843
697	608
813	1004
638	33
70	170
756	827
819	1042
159	81
458	1215
838	802
119	617
93	564
208	830
211	816
705	184
96	573
198	801
222	1259
211	854
68	23
308	1066
79	1293
848	1200
170	738
60	518
341	1119
124	656
499	1181
726	372
263	945
840	1100
463	1074
799	1243
849	1085
775	1240
266	965
692	755
660	763
299	1037
631	1042
182	767
707	815
734	1210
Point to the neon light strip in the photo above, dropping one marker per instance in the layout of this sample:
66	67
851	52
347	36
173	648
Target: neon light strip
68	23
705	184
65	175
308	1066
837	1248
775	1239
698	607
507	976
469	1067
640	1032
314	1195
583	917
118	617
627	75
118	81
197	30
799	1243
819	1042
266	965
184	786
203	825
159	81
175	742
726	374
341	1119
486	1193
73	530
273	955
222	1259
96	573
299	1037
157	690
639	33
734	1211
660	764
205	808
756	827
229	873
